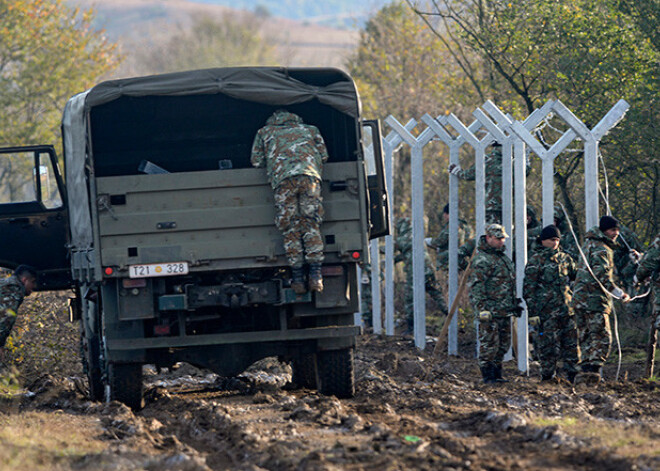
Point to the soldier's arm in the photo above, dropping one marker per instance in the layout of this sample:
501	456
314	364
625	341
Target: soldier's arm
320	146
530	283
603	268
648	264
467	173
479	296
258	158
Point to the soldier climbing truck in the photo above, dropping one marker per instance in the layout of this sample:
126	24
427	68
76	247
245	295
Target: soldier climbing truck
165	233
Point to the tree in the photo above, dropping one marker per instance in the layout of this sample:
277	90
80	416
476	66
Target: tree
48	52
402	70
587	53
231	40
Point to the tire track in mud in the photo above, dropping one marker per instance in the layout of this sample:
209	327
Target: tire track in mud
195	421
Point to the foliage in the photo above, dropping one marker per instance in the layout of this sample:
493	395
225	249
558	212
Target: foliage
233	40
588	53
43	341
402	70
48	52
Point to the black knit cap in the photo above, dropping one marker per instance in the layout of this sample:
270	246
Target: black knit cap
550	232
607	222
446	209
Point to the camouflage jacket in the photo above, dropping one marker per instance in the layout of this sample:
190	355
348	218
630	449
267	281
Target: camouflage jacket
441	242
493	167
548	275
649	267
599	251
403	250
492	281
625	267
287	147
12	293
566	242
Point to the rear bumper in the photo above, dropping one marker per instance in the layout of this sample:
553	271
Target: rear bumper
317	333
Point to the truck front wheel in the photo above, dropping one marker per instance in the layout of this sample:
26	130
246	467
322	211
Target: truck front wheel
125	381
337	372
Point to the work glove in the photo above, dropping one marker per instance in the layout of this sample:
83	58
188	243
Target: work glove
535	321
635	256
454	169
429	242
485	316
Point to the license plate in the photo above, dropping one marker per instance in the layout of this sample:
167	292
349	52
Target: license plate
158	269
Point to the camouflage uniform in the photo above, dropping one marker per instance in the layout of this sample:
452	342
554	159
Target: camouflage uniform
293	154
12	293
534	228
548	295
649	267
441	243
493	289
493	168
593	306
465	251
403	250
566	242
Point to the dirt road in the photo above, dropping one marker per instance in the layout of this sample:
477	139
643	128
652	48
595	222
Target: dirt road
400	418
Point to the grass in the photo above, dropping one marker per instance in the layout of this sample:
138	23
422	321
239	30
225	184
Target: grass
628	440
46	440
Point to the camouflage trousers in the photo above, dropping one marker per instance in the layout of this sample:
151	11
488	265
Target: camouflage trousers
298	215
431	287
558	341
494	340
595	336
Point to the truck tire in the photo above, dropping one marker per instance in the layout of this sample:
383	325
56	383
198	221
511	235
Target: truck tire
91	359
305	371
337	373
125	380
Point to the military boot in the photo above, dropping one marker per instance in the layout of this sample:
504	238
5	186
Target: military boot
298	280
315	277
488	374
497	370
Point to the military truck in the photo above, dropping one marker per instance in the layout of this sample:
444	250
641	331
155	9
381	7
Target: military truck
166	235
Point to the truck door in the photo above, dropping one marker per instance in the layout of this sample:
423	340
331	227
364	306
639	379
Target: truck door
33	219
379	213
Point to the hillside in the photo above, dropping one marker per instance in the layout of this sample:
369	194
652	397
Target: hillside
139	23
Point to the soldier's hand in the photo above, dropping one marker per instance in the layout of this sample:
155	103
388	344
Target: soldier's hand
625	298
635	256
535	321
485	316
454	169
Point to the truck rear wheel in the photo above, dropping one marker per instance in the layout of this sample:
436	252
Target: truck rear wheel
125	380
337	373
305	371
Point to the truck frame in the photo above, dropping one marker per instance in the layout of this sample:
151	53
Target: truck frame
166	234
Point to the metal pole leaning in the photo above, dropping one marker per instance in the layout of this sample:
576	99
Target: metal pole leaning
417	194
390	144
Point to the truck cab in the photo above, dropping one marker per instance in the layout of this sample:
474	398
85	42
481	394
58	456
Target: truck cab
166	233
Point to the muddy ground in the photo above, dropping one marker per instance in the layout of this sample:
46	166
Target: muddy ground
410	411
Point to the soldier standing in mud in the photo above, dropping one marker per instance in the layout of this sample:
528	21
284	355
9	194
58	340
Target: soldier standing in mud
13	291
649	268
441	242
403	250
547	291
592	300
493	168
293	154
493	297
